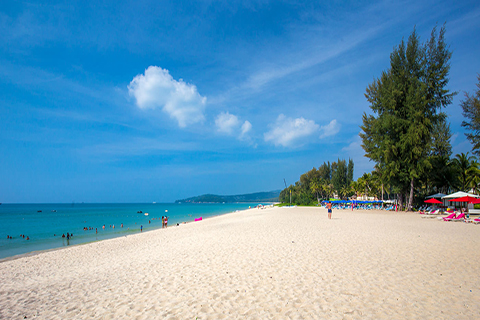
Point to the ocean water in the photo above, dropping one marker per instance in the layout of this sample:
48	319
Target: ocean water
44	224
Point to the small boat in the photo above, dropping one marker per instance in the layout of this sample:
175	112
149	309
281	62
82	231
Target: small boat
54	210
146	213
39	210
139	211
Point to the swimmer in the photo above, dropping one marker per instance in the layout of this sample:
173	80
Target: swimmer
28	238
103	227
63	235
96	231
113	227
148	221
166	221
121	225
141	228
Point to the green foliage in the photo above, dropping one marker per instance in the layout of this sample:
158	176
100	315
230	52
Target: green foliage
322	183
405	102
471	111
463	163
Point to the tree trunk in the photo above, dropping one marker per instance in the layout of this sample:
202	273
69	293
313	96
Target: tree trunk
400	201
410	199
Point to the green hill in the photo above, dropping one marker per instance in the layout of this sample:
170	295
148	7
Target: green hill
271	196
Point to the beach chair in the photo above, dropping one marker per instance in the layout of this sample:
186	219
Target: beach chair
450	217
460	217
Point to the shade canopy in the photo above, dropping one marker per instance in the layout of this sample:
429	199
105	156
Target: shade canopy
464	199
459	194
437	195
433	201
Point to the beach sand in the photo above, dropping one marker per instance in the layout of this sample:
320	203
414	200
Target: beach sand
275	263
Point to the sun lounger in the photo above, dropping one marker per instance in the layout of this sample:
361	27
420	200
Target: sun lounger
450	217
461	217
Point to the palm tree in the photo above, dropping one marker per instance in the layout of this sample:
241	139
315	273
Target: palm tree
315	187
474	176
354	185
463	163
328	188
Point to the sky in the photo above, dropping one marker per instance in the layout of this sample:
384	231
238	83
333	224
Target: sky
142	101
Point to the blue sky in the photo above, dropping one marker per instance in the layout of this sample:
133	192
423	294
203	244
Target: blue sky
156	100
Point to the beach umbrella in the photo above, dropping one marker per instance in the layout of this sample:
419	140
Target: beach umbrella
464	199
459	194
433	200
476	201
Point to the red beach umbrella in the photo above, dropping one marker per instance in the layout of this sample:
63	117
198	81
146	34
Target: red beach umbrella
475	201
433	201
464	199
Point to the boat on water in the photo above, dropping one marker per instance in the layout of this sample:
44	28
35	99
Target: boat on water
140	211
146	213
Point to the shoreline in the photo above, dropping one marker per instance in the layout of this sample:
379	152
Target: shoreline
73	220
263	264
37	252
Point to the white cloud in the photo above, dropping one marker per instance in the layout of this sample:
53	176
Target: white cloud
330	129
287	131
246	127
157	89
229	124
226	122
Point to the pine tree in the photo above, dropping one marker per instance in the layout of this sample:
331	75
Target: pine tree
471	111
406	102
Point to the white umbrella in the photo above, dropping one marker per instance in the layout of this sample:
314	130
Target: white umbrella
460	194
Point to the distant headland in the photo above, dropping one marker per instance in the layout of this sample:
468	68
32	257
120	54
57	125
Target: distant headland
270	196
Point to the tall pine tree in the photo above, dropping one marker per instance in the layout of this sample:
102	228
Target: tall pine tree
406	102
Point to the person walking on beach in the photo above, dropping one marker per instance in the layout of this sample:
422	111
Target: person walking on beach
329	208
141	228
163	222
166	221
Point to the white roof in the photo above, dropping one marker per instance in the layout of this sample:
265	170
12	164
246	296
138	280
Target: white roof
460	194
437	195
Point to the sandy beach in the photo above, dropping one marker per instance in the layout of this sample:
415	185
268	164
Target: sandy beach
275	263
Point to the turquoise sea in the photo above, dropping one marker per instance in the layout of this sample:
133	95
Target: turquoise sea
44	224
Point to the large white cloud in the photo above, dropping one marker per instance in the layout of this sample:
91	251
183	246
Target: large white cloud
330	129
157	89
287	131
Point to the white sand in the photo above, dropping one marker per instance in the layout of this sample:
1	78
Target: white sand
259	264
